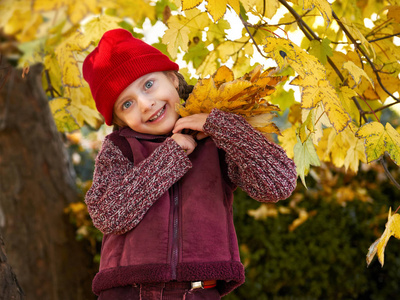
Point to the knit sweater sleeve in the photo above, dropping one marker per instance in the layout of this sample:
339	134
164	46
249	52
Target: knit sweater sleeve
122	193
261	168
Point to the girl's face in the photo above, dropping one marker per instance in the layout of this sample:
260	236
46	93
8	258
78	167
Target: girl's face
147	105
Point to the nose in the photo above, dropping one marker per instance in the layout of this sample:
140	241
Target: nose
145	103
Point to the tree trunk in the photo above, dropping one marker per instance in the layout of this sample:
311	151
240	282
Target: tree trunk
36	184
9	287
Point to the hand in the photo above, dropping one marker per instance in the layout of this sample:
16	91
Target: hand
186	141
193	122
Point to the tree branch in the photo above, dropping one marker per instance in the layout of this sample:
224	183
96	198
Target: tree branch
388	174
356	45
384	37
251	36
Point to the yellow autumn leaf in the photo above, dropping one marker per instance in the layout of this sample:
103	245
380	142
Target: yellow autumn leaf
135	9
261	7
342	149
263	212
196	19
78	10
379	139
83	114
217	8
355	152
286	53
356	33
243	96
177	35
378	247
224	51
345	95
303	216
62	117
356	72
313	92
304	157
288	140
100	24
307	126
23	24
82	106
189	4
321	122
323	6
39	5
71	75
263	123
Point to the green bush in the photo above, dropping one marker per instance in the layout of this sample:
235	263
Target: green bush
325	257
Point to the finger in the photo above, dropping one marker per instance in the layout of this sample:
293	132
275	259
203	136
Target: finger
191	145
201	135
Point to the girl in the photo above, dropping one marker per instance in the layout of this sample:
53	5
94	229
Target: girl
163	198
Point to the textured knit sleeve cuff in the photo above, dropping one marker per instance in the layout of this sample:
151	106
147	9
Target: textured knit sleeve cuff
216	119
172	158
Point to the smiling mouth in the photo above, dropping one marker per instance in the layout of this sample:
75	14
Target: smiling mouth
155	117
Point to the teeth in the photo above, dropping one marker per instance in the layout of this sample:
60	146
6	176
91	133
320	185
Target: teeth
157	115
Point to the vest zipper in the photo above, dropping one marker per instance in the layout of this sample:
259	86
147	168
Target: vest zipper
175	235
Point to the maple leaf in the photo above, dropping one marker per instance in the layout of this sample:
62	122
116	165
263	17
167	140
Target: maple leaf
69	66
378	247
379	139
62	117
181	29
216	8
356	72
243	96
288	139
286	53
321	90
343	148
196	54
100	24
345	95
261	7
217	30
305	156
321	50
82	106
356	33
322	5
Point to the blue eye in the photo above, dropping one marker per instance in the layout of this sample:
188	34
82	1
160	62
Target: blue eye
148	84
126	104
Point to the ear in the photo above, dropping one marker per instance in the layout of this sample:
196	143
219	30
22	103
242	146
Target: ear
174	79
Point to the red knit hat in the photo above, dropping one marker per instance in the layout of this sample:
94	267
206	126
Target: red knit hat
117	61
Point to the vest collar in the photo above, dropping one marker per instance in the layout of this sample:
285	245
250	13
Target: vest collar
129	133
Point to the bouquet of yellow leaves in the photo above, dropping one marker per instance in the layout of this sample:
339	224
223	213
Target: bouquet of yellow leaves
243	96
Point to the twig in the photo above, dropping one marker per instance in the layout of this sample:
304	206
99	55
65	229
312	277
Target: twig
384	37
251	36
356	45
388	174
